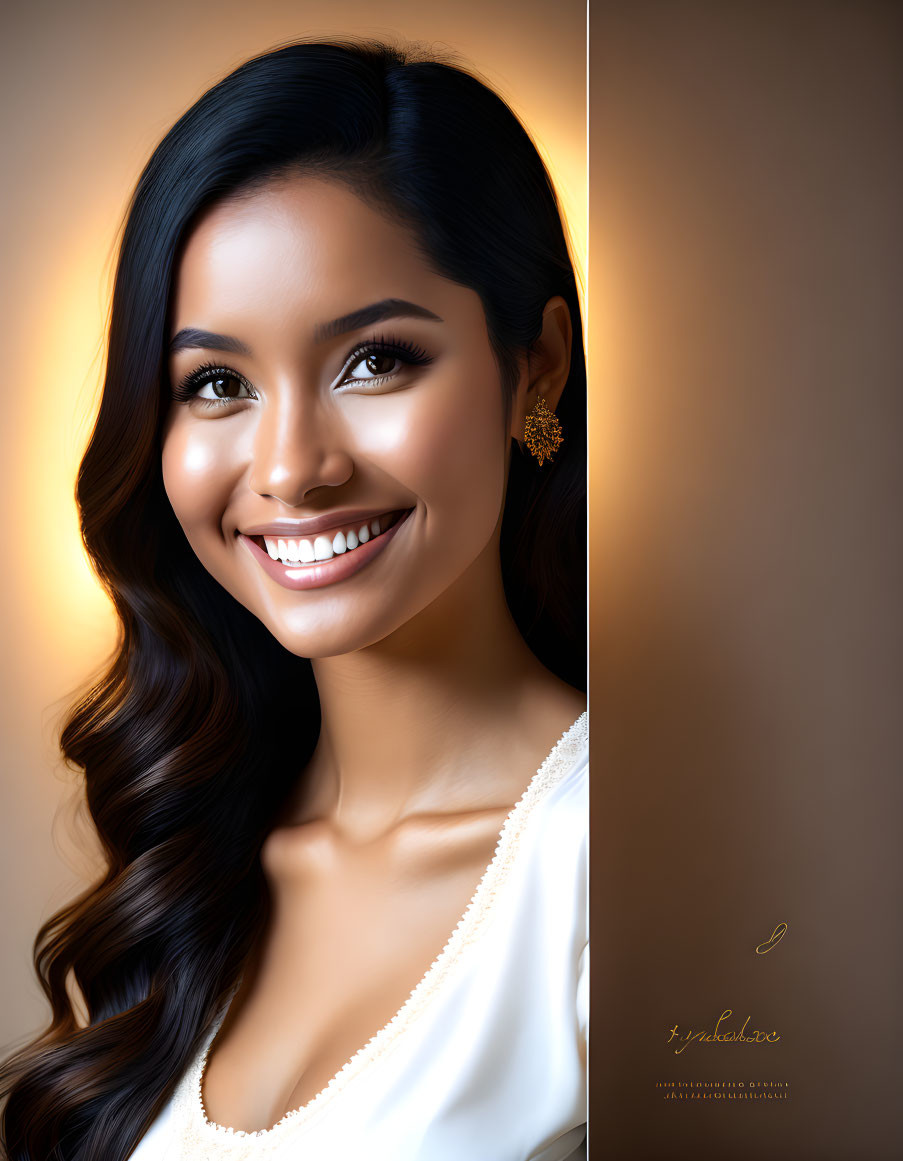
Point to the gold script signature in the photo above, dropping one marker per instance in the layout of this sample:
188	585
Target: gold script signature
724	1037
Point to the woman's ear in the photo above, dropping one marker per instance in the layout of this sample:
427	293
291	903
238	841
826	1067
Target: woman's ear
548	364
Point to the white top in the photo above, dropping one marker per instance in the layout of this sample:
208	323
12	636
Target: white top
486	1059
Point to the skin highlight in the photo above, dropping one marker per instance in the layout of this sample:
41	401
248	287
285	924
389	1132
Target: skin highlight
435	713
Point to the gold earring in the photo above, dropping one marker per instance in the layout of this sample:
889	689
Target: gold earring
542	433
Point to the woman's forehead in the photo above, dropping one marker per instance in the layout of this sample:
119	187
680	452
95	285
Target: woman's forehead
293	243
302	227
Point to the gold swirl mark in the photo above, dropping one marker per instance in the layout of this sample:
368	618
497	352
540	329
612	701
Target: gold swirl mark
776	936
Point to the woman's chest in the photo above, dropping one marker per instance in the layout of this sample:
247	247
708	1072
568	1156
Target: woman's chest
351	934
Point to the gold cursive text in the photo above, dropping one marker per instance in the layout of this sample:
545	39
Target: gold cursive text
717	1036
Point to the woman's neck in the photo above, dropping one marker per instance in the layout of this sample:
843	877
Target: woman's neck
445	714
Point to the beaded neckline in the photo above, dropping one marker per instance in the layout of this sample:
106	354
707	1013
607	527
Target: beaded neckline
189	1095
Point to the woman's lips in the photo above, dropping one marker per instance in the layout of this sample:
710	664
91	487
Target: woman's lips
327	572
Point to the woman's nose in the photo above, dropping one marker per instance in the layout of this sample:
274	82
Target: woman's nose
297	447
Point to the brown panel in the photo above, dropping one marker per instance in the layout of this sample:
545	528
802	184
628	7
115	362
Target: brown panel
746	576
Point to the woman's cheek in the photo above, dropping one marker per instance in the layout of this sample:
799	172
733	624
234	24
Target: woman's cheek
196	471
440	432
403	435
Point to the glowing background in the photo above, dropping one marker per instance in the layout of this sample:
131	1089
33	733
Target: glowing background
89	90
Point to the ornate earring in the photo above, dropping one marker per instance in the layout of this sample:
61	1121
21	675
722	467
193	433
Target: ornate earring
542	433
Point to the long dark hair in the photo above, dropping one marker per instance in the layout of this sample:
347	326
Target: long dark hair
184	764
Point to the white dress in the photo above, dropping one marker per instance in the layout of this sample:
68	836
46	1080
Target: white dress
486	1059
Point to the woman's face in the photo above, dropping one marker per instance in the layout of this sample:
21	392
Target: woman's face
338	380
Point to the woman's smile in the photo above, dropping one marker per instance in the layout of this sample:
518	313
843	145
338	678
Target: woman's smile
336	445
298	563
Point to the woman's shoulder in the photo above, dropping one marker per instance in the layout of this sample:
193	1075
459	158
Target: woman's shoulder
549	848
563	779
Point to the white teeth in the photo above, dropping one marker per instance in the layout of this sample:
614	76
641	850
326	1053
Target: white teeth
298	551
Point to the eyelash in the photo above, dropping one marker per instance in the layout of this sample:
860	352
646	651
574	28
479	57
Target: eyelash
188	387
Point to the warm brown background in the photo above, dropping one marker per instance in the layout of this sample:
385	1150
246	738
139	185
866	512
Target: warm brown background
746	270
86	91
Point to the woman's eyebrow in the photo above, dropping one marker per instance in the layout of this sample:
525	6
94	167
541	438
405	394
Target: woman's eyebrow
388	308
193	337
190	337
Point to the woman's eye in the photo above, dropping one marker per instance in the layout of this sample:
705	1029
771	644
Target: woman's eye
372	366
221	386
383	358
211	387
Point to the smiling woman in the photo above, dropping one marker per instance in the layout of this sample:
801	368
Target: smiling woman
325	417
339	763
